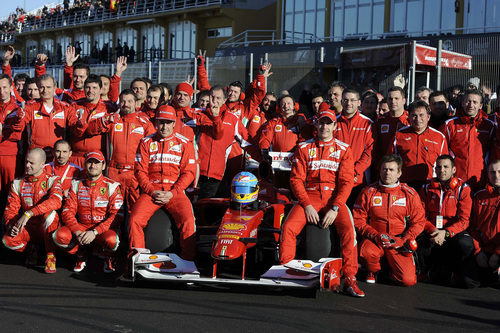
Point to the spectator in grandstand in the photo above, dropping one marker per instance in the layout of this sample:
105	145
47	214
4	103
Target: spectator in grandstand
440	111
470	139
30	216
335	96
422	94
355	129
321	179
92	215
61	167
485	230
418	145
369	104
445	244
388	215
131	54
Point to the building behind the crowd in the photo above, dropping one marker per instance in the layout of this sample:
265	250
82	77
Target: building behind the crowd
305	40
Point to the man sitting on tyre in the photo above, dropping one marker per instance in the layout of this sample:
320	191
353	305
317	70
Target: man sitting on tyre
322	178
165	166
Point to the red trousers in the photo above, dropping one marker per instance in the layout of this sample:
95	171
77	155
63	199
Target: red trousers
106	242
182	212
7	173
37	230
129	185
402	267
344	224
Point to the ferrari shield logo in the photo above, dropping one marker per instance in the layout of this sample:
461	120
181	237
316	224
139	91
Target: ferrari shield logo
102	190
312	152
44	185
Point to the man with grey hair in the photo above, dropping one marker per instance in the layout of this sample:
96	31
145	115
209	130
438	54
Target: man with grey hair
422	94
47	118
30	216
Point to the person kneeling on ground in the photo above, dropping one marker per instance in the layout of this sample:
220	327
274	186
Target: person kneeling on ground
388	215
92	215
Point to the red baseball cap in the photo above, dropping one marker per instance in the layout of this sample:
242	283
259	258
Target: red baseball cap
165	112
96	155
330	114
185	87
324	106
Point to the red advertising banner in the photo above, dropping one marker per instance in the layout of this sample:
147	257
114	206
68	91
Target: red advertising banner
426	55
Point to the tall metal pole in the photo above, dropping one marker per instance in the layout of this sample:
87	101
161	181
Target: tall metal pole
250	74
413	65
438	64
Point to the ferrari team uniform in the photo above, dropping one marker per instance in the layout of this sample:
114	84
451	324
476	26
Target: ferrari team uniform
8	146
45	126
66	173
82	142
91	205
485	231
447	208
165	164
123	135
43	196
383	133
357	133
393	210
419	153
283	134
322	176
469	141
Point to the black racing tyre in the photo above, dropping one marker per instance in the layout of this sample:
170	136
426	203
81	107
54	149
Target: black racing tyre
158	233
319	242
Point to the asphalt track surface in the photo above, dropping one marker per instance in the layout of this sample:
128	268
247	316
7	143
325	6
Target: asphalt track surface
91	301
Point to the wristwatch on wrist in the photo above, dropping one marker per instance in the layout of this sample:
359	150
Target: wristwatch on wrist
95	232
447	234
335	208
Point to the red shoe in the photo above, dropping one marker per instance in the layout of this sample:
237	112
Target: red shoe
370	277
50	264
351	287
109	265
80	264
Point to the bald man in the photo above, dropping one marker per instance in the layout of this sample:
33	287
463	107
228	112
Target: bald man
30	216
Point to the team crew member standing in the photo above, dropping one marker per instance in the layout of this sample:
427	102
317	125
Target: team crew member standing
485	230
30	216
61	167
355	129
284	132
386	126
321	179
9	137
89	108
221	127
388	209
124	133
447	201
418	145
469	139
165	166
47	117
92	214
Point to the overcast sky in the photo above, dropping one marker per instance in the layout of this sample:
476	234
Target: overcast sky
9	6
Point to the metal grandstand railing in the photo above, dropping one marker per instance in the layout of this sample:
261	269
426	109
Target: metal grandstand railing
128	9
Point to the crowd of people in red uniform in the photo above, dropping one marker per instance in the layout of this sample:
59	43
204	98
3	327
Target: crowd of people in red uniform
89	158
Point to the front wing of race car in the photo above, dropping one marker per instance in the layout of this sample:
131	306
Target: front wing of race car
295	274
